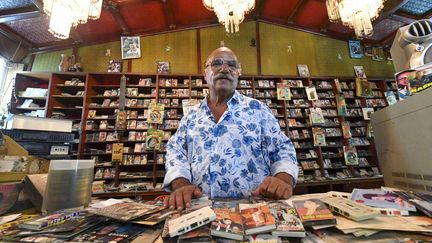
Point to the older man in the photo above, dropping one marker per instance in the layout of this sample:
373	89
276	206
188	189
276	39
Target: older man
229	145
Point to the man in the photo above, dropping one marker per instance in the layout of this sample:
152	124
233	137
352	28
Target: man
229	145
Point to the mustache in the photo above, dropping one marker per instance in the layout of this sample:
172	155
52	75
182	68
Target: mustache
223	76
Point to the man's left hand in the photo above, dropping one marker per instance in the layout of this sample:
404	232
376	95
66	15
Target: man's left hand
275	188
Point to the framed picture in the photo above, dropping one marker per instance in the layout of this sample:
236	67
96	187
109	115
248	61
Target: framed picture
163	67
303	70
355	49
130	47
359	72
114	66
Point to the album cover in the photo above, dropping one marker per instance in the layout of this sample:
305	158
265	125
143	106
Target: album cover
355	49
114	66
367	112
346	130
156	113
314	212
49	220
256	218
359	72
303	70
350	155
381	199
316	116
311	93
153	139
363	87
287	222
91	114
126	211
341	106
228	224
319	136
283	92
163	67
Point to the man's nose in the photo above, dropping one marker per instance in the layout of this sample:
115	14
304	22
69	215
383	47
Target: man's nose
224	68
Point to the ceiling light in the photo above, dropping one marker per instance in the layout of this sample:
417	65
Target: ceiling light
230	12
67	13
355	14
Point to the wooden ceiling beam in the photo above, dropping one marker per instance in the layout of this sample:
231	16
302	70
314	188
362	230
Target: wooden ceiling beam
402	19
391	11
259	8
300	4
169	14
19	16
113	9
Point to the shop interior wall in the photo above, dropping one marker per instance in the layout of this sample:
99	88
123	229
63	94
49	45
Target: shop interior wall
281	49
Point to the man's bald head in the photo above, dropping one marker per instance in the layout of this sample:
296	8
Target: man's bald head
221	50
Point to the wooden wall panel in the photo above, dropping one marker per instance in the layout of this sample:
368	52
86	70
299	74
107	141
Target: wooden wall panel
93	58
178	48
324	56
240	44
48	62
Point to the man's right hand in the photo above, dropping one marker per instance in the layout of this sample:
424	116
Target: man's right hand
182	194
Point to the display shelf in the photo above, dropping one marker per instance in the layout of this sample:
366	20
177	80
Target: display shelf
161	88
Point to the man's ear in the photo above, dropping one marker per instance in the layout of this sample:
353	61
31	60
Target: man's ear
239	70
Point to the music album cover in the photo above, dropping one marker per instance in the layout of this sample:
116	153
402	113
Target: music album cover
341	106
156	113
228	224
256	218
346	130
314	212
303	70
359	72
126	211
316	116
287	222
311	93
283	92
381	199
363	87
153	139
350	155
367	112
319	136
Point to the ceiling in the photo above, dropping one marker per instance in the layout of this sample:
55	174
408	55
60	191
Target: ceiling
23	20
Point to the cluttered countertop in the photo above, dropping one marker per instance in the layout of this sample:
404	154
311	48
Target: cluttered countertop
361	216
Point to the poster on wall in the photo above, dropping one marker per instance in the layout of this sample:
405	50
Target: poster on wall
414	80
130	47
355	49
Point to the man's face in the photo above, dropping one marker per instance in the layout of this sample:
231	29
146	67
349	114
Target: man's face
132	47
222	79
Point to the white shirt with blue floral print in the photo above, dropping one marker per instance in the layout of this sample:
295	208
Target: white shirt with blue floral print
232	157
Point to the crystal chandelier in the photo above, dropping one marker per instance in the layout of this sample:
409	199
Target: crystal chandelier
230	12
355	14
67	13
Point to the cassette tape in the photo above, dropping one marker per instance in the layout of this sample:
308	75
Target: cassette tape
191	221
350	209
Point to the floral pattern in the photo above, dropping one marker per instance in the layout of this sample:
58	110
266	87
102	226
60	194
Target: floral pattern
232	157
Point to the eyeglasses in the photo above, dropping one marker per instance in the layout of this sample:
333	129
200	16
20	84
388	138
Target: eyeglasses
219	62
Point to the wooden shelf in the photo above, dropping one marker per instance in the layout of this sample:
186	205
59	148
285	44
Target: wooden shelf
97	83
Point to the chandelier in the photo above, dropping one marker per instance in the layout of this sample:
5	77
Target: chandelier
67	13
355	14
230	12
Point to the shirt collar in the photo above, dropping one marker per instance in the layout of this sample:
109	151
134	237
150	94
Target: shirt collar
234	100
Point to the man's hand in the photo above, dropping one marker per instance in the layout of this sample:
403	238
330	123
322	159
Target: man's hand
276	187
182	194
